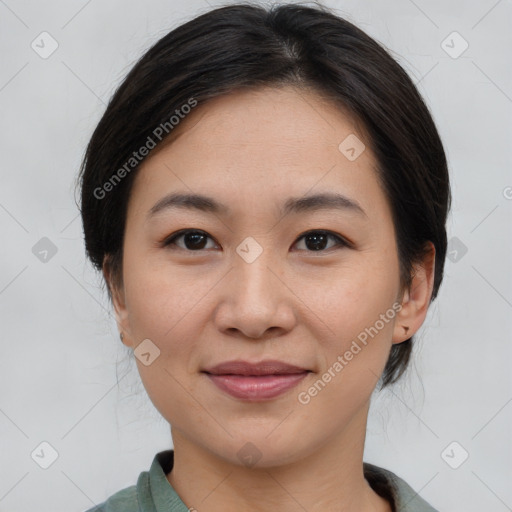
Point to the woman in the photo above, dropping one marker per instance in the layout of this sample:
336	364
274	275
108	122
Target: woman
266	196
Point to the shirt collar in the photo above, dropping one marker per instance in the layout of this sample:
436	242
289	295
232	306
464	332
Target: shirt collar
388	485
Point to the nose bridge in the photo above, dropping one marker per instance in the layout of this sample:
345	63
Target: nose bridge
254	274
256	300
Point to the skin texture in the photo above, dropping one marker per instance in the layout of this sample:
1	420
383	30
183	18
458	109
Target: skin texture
251	151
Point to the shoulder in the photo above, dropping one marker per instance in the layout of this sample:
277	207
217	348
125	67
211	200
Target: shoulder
151	485
125	500
389	485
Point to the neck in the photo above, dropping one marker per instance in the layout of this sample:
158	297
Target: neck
330	477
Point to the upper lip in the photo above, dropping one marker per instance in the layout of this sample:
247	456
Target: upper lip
267	367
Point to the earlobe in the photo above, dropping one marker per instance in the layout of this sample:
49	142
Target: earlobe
416	299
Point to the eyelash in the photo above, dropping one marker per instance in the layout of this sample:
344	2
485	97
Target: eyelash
341	242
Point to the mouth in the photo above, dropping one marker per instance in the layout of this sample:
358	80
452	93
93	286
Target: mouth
255	381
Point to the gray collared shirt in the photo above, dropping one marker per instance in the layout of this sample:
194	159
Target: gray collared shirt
154	493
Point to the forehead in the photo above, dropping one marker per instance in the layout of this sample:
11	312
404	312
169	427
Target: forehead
269	116
259	142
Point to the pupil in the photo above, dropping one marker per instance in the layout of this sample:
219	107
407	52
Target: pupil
195	239
316	238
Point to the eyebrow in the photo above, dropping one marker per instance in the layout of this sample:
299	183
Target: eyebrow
322	201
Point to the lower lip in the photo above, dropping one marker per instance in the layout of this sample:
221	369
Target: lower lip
254	388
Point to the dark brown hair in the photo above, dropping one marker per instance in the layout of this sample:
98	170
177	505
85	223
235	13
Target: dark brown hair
247	46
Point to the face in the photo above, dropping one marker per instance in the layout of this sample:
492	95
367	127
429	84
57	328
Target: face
253	280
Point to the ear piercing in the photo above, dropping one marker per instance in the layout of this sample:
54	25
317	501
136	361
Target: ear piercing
406	329
121	335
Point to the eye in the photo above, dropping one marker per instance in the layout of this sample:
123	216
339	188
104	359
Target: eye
317	240
196	240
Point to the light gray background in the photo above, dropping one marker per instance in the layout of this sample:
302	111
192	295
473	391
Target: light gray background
60	346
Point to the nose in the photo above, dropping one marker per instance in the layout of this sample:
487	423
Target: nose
256	301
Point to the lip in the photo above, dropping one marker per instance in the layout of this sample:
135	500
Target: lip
256	388
267	367
255	381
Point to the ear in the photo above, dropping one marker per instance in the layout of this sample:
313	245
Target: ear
118	301
416	299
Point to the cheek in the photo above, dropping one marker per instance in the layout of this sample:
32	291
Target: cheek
159	297
354	353
358	310
161	310
354	297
